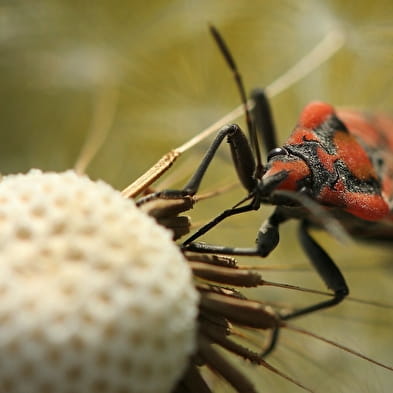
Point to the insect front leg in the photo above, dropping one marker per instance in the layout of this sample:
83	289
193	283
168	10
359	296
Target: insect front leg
242	157
326	269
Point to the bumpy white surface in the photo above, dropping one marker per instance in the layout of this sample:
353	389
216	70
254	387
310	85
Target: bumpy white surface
94	295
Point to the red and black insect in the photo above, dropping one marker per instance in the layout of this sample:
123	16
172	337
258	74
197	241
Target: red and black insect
343	160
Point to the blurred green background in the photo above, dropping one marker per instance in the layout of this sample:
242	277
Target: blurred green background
66	65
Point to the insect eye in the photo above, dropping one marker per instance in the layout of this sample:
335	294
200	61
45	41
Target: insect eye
278	151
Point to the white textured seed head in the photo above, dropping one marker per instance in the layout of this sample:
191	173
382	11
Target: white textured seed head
94	295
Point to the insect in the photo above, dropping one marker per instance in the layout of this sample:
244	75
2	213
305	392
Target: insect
336	164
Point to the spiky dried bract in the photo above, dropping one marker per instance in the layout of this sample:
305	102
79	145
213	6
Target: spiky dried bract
94	295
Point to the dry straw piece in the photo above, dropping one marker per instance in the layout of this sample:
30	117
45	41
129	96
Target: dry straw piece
85	275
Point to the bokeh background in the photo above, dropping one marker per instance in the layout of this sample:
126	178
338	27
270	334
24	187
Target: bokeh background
152	72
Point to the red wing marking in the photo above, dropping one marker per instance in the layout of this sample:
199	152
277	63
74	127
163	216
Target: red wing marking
314	114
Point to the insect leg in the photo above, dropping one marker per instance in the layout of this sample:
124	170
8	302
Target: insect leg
241	154
242	157
193	246
267	237
273	339
327	270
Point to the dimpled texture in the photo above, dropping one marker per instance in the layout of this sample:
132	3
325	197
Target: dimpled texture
94	295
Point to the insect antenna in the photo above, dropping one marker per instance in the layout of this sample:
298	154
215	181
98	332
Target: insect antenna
240	85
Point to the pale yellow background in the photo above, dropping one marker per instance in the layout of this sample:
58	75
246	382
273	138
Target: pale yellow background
58	57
